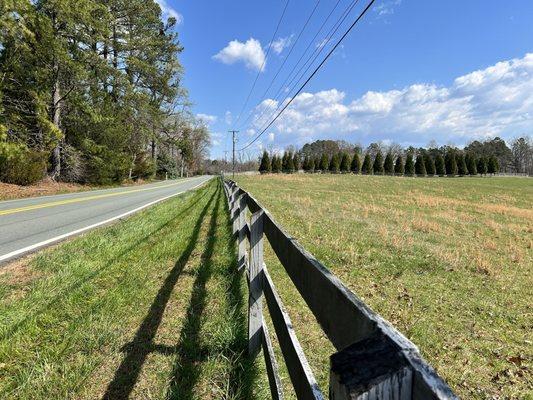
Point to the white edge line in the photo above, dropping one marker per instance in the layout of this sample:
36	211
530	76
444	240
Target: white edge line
27	249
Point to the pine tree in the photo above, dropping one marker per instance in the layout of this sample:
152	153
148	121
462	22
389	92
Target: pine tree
450	163
409	165
311	164
430	165
462	169
296	162
440	168
324	163
355	167
276	164
265	167
399	167
290	164
305	163
420	166
482	165
285	162
388	165
334	164
471	164
378	164
366	169
317	163
345	162
492	165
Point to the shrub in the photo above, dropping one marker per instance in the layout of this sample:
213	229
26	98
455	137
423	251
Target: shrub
482	165
378	164
440	169
367	165
409	165
345	162
334	164
324	163
23	168
430	165
144	168
461	165
420	165
265	167
471	164
388	165
356	164
492	165
399	168
450	163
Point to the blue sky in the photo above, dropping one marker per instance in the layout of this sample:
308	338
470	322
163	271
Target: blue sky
410	72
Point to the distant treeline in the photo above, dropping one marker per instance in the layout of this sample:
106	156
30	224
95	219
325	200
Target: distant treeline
90	91
488	157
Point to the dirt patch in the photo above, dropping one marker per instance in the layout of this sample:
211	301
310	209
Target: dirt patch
41	188
18	275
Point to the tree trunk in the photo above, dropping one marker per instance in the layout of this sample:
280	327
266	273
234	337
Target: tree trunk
55	172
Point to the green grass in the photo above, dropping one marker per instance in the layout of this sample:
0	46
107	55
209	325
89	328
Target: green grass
447	261
150	308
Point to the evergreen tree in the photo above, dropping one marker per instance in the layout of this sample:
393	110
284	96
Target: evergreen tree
492	165
450	163
290	163
388	165
378	164
409	165
430	165
355	167
317	163
366	169
482	165
440	168
296	162
265	167
305	164
277	164
324	163
285	162
311	164
420	166
345	162
399	166
334	164
461	165
471	164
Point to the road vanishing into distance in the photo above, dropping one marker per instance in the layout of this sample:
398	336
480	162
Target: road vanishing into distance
32	223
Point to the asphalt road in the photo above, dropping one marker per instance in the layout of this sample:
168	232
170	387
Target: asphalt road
29	224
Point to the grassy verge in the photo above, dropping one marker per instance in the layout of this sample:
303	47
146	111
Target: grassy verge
447	261
150	308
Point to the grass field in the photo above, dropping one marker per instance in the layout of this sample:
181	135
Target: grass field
447	261
150	308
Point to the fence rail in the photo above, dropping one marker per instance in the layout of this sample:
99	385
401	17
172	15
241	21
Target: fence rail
373	359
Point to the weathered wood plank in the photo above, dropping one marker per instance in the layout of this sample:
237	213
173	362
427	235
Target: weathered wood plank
255	302
241	261
302	378
274	380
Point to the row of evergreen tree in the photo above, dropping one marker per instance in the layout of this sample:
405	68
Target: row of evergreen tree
451	164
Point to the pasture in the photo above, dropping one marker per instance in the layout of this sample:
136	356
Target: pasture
447	261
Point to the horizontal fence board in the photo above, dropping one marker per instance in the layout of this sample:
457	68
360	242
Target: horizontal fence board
274	380
302	378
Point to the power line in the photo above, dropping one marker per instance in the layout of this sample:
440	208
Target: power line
288	54
313	74
309	62
263	64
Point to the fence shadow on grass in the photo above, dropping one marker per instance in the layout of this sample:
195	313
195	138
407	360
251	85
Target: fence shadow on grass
142	345
190	353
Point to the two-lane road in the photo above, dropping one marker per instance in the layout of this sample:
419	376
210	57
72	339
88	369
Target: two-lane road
29	224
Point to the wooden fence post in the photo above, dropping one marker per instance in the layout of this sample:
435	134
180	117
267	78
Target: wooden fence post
242	234
255	311
235	213
372	369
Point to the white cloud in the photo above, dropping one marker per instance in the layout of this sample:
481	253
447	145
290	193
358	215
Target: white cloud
497	100
168	11
271	137
250	53
206	118
387	7
281	44
228	118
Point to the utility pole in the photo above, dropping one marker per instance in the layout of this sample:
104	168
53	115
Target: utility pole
234	141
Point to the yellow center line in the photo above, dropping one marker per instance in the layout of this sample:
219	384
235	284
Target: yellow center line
77	200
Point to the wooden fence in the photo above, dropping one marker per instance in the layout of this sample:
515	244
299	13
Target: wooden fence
374	360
